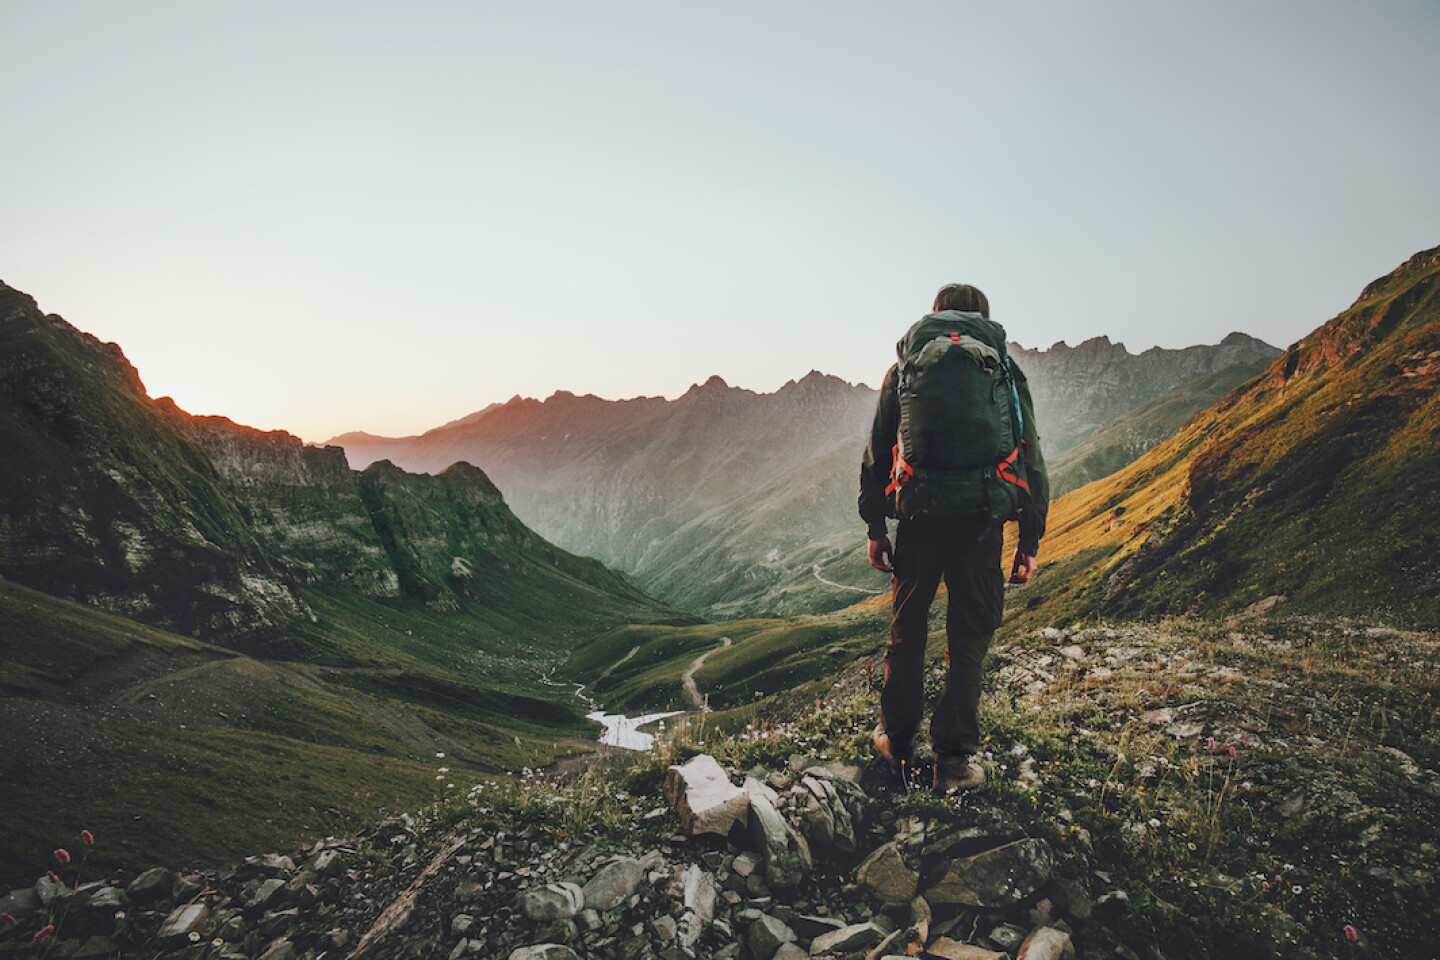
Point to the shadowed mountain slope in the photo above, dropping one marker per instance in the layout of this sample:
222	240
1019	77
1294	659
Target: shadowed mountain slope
220	629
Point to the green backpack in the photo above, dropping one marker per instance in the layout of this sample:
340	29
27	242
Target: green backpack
960	452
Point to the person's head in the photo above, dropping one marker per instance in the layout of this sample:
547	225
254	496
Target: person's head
963	297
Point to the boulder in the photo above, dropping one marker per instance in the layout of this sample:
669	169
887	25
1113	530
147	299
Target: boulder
181	921
153	884
544	951
1046	943
992	878
698	894
613	883
851	939
704	797
885	874
49	891
787	855
766	935
558	901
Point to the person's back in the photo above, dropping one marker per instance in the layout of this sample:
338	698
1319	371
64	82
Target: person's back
953	454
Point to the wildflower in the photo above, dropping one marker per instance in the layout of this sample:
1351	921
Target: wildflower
43	934
119	914
52	876
1210	743
1297	889
62	854
8	920
218	942
1190	845
1154	824
194	936
1351	934
1231	751
443	769
439	756
88	837
1265	885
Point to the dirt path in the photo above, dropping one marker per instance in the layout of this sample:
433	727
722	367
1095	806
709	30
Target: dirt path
611	669
815	569
687	682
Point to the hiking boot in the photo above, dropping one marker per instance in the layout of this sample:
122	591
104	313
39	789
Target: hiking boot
956	773
896	760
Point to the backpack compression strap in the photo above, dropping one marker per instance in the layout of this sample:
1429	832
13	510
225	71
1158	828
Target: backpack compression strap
900	471
1005	469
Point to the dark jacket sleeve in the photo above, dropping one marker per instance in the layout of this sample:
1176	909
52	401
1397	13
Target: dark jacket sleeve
1032	521
879	453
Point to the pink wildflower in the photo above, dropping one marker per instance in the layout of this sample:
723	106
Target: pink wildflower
88	837
43	934
1210	743
1265	885
8	920
62	854
1351	934
1231	751
52	876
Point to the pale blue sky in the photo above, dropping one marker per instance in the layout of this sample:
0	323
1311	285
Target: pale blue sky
350	215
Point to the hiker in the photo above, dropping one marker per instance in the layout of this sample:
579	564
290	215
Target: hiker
953	454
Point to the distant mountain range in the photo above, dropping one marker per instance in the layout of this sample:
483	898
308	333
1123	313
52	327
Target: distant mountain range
729	502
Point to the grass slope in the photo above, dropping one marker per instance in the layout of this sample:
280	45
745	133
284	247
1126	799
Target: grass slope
1315	482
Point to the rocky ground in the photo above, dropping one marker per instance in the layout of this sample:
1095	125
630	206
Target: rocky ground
1254	788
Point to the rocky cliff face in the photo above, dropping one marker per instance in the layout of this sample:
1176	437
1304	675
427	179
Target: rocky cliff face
730	502
1079	389
210	528
104	501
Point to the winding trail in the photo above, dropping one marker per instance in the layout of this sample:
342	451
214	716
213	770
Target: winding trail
687	681
611	669
815	569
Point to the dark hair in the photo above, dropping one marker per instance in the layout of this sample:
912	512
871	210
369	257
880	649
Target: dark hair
962	296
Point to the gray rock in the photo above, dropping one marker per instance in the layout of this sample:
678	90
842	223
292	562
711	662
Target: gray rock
182	920
465	948
809	926
1046	943
992	878
766	935
589	920
49	891
1008	937
184	887
265	894
613	884
704	797
326	863
790	951
280	950
885	874
698	894
151	885
664	928
544	951
558	901
106	901
461	924
787	855
744	864
856	937
557	931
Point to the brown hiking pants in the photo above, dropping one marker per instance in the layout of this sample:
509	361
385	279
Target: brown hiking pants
966	555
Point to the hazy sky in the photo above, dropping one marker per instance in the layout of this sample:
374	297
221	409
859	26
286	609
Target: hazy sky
325	217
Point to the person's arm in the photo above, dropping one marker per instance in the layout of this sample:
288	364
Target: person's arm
875	466
1032	521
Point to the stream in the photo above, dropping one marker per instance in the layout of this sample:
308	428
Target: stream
617	730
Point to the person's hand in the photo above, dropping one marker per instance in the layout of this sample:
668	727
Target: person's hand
1022	569
881	556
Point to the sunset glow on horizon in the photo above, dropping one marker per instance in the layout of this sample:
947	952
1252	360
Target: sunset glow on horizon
341	217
